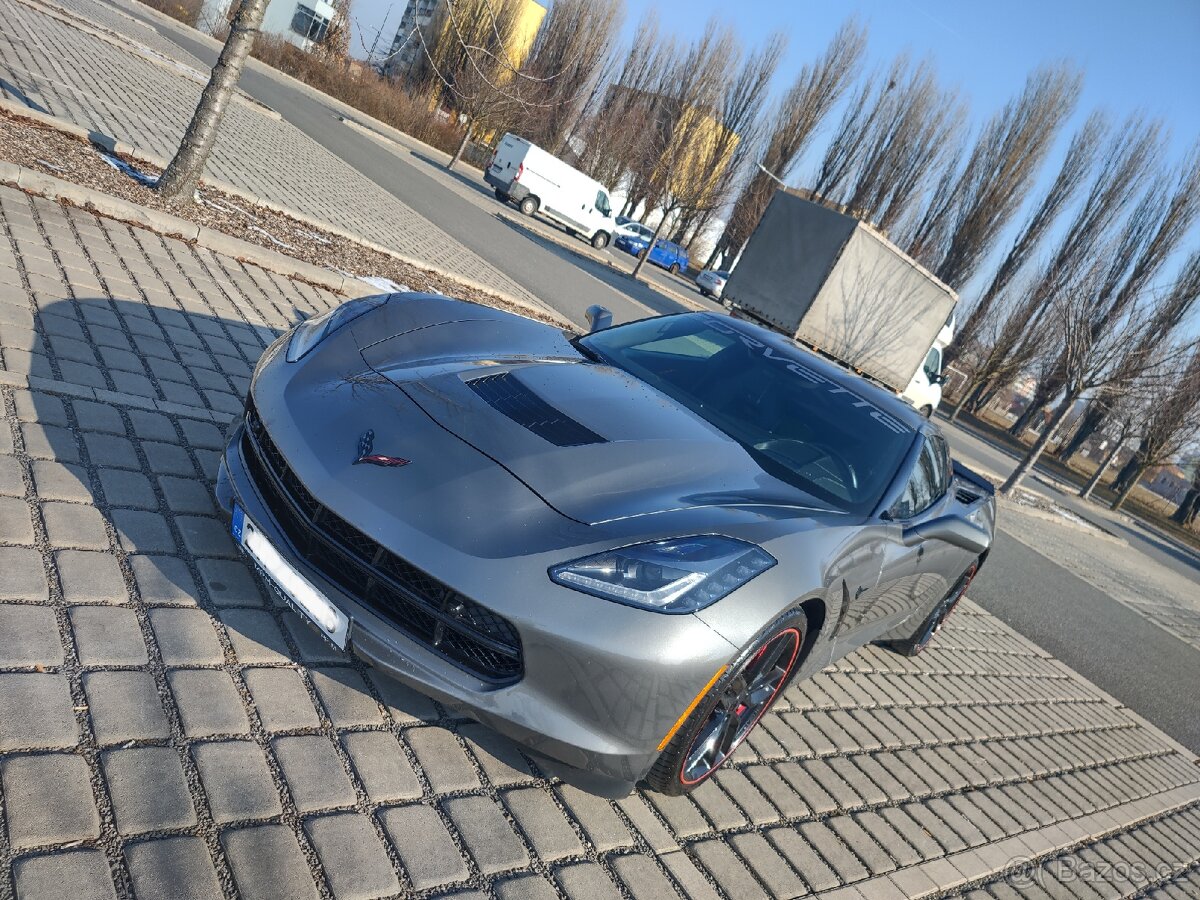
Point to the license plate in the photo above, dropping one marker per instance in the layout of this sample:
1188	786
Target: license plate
288	582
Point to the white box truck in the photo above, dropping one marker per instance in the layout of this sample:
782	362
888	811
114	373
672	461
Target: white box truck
840	287
523	173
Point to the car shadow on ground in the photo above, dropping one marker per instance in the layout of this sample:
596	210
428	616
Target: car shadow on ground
151	477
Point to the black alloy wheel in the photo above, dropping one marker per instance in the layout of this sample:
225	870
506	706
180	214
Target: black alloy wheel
730	709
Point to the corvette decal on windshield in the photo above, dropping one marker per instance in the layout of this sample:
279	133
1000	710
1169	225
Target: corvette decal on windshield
798	368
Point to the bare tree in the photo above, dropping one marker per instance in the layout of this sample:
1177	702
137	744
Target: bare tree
1081	155
1126	415
1090	357
568	64
737	138
889	143
1116	178
618	134
1174	424
1180	299
468	64
182	174
1151	233
968	210
816	89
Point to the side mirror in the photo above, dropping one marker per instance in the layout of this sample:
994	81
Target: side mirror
598	318
939	378
952	530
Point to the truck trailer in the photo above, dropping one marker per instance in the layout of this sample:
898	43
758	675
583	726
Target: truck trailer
837	285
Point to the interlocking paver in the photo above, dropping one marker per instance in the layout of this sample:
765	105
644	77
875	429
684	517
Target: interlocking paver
642	877
48	800
443	760
22	576
236	781
587	881
186	637
424	846
74	875
542	823
255	636
74	525
89	576
282	701
345	697
108	636
487	833
175	867
163	580
36	711
268	864
315	774
229	583
355	861
600	823
143	532
208	702
382	766
29	636
126	488
125	706
148	789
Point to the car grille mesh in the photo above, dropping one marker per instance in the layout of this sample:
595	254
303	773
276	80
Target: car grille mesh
465	633
505	394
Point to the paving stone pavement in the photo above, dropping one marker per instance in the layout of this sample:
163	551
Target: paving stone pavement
146	97
168	730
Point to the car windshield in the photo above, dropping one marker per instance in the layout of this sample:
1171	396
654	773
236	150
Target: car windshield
797	424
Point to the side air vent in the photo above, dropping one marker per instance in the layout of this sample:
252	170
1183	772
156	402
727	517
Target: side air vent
505	394
966	496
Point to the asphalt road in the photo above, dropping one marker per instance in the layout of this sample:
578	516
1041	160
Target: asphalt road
1127	656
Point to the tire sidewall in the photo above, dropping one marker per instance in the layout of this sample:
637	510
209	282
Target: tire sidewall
529	206
665	775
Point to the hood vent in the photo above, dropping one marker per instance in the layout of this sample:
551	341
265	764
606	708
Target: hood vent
505	394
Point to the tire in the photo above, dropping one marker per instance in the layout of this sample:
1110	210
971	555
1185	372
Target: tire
705	292
926	411
673	268
771	660
923	636
529	206
501	196
600	240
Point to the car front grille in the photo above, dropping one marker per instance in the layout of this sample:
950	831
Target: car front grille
465	633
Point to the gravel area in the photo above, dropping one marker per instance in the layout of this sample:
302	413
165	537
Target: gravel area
34	145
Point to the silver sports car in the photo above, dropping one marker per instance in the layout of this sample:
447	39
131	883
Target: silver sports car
617	549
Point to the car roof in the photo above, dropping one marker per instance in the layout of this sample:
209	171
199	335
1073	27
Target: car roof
834	372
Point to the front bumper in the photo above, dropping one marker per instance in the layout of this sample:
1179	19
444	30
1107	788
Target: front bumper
596	698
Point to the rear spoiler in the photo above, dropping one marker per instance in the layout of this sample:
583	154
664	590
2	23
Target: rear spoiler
973	478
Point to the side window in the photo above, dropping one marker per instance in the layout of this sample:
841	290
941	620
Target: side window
922	487
933	363
941	452
602	203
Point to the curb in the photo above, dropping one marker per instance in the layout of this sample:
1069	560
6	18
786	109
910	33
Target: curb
172	226
165	223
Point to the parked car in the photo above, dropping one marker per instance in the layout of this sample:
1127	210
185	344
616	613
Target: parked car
523	173
667	254
617	549
627	227
712	282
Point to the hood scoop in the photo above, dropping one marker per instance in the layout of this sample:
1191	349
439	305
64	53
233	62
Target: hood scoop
505	393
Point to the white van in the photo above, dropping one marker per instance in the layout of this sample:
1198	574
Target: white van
924	392
527	175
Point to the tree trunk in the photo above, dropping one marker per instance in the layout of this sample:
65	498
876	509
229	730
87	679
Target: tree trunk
1100	470
654	240
183	173
462	145
1189	509
1091	422
970	389
1027	418
1039	445
1131	482
1119	483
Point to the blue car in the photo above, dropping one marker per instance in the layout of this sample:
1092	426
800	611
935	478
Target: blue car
667	254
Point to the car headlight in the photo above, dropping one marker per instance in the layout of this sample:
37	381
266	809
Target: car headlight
312	331
680	575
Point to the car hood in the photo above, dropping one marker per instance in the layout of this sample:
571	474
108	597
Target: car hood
593	442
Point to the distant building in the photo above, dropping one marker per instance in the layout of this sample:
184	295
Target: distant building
407	47
1170	483
301	22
